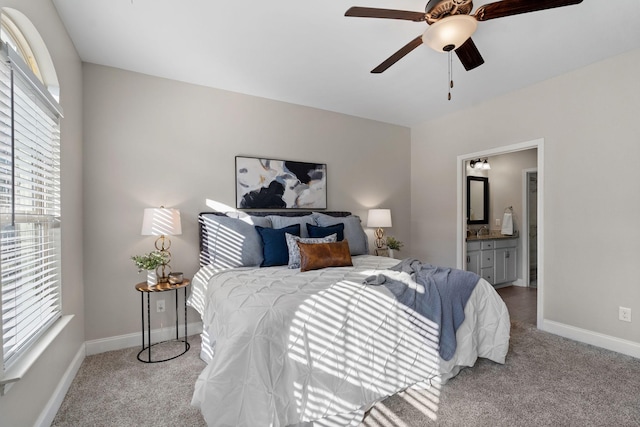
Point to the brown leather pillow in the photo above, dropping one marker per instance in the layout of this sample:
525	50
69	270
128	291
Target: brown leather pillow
314	256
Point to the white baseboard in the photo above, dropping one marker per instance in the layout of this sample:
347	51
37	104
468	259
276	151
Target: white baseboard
51	408
135	339
608	342
100	346
519	282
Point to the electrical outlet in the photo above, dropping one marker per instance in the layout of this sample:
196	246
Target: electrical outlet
160	306
624	314
498	222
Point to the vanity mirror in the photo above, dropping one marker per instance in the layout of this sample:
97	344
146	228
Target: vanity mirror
477	200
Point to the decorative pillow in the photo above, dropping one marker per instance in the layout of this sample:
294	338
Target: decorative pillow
317	231
294	251
314	256
232	242
262	221
274	244
278	221
353	232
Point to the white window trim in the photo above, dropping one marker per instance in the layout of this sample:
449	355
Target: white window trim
21	365
26	361
24	70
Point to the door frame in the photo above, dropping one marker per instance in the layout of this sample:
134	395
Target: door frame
526	261
461	247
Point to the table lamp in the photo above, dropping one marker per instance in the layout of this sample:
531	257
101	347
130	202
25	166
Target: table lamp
162	222
379	218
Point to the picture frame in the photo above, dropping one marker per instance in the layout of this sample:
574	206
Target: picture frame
263	183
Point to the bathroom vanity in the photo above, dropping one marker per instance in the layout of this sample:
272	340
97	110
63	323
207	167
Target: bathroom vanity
494	258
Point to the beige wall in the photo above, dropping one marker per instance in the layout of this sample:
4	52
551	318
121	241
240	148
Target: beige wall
589	121
26	400
152	142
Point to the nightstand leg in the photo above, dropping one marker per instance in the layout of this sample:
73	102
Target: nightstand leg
177	317
149	325
186	345
142	315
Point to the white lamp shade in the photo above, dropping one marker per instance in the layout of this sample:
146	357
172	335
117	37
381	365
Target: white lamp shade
161	222
452	30
379	218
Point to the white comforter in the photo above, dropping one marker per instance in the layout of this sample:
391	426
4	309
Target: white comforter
294	347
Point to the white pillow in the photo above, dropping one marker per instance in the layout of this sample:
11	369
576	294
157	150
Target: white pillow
279	221
231	242
294	250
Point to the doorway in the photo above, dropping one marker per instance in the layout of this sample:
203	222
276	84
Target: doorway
537	208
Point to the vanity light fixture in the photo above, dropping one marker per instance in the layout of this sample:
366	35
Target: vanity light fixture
480	164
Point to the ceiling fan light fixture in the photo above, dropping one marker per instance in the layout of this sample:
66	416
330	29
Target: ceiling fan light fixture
450	31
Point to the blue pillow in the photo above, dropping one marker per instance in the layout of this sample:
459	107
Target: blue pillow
316	231
274	244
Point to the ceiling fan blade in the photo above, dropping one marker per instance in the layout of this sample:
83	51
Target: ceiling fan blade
398	55
469	55
368	12
504	8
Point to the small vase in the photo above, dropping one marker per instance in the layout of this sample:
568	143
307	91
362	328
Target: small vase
152	278
392	253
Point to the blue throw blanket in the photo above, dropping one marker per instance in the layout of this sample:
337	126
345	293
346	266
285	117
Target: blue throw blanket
446	292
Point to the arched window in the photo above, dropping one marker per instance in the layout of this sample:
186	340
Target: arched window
11	34
30	292
20	34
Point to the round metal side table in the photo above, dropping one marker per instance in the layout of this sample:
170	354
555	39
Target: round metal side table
144	288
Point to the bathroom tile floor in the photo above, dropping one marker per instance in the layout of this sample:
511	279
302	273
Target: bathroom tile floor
521	303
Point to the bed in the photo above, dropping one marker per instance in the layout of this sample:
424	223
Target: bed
287	347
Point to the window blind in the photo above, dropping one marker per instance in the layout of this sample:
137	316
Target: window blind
29	207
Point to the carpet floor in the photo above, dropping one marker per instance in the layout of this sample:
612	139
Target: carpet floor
546	381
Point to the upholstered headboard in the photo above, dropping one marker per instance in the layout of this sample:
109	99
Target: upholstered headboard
230	240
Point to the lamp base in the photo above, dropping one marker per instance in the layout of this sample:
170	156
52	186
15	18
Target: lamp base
163	244
379	241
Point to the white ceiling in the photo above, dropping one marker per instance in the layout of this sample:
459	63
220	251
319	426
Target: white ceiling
309	53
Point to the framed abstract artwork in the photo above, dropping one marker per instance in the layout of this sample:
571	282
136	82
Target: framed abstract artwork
280	184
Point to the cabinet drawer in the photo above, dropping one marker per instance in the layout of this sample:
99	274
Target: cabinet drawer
486	259
506	243
473	246
488	244
487	274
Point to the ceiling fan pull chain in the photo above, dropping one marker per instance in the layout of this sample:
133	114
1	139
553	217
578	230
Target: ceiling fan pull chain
450	75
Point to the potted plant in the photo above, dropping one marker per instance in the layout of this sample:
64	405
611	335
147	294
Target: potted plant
393	245
149	263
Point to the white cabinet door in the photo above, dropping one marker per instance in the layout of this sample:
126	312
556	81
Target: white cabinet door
473	262
506	263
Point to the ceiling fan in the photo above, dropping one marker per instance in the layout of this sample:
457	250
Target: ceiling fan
451	25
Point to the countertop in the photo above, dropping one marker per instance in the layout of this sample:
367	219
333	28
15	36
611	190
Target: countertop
493	235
